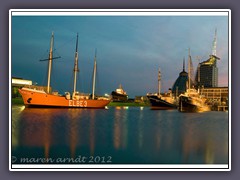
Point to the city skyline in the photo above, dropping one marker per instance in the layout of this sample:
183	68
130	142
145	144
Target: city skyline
130	49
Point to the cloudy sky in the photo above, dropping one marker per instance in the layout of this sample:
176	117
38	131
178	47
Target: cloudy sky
130	49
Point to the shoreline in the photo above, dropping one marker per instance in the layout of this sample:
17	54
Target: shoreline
19	101
133	104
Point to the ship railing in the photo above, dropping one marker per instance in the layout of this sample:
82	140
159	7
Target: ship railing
34	87
77	95
152	94
103	98
83	94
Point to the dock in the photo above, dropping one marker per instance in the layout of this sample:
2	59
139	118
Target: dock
222	108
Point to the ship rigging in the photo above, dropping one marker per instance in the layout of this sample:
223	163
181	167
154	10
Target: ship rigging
33	97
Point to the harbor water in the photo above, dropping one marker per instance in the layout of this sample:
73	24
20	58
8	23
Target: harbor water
118	135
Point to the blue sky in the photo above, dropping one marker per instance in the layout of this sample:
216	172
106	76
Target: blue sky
130	49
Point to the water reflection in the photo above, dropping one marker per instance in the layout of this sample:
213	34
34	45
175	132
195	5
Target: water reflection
158	134
15	123
73	117
120	126
205	141
129	135
35	128
140	130
92	132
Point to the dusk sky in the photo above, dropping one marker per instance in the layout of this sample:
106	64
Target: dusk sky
130	49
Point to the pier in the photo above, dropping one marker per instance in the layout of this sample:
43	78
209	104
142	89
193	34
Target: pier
222	108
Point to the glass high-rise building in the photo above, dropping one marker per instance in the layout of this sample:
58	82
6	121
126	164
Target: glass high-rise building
207	73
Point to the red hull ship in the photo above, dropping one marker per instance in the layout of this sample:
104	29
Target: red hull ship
36	97
39	98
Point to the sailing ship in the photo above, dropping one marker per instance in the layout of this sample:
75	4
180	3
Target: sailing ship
34	96
119	95
191	100
161	102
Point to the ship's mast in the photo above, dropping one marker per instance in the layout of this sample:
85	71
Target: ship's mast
50	63
94	75
189	69
159	82
75	70
198	71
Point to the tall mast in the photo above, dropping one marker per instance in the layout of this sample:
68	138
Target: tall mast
159	81
94	74
198	71
75	70
50	63
189	69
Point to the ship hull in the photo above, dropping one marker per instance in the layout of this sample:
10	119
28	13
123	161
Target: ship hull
157	103
119	97
42	99
186	104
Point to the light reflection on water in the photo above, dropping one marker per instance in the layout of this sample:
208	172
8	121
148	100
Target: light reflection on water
128	135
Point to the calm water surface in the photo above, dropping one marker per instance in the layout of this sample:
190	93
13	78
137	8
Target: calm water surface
118	135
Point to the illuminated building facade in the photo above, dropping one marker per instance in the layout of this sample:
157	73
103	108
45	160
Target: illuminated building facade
207	73
215	93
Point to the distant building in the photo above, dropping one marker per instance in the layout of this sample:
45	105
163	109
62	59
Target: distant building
207	73
180	85
218	94
18	83
141	99
217	97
